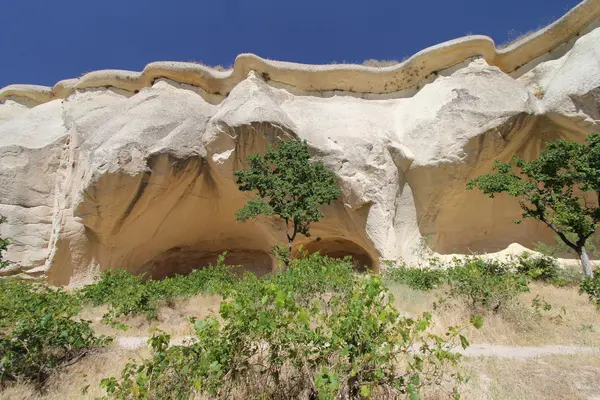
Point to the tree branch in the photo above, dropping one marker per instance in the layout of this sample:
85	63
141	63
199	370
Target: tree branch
560	234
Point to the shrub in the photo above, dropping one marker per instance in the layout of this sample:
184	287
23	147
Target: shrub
486	284
38	332
591	287
538	267
424	279
272	342
21	300
125	294
128	294
3	247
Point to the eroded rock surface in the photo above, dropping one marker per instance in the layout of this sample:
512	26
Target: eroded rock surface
141	177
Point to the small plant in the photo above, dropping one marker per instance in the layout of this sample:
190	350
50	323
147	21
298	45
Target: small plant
539	92
289	185
538	268
540	304
591	287
125	294
3	247
424	279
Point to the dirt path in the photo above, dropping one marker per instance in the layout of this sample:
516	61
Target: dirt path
475	350
498	350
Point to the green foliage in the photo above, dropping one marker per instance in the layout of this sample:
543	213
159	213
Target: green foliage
39	331
538	268
559	248
289	185
561	189
3	247
424	279
485	284
128	294
591	287
315	330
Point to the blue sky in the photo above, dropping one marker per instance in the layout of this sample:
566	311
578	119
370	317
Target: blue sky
44	41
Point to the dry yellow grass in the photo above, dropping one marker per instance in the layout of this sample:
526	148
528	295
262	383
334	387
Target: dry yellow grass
173	317
546	377
552	377
78	381
572	320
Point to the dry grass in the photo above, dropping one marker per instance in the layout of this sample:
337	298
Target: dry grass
380	63
515	37
578	323
543	378
79	381
217	67
550	377
173	317
547	377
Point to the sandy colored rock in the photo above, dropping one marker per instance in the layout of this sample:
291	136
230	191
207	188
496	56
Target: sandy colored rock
134	170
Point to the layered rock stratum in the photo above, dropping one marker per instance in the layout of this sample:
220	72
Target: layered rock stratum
122	169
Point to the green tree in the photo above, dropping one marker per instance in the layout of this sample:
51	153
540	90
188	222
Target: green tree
289	185
3	247
561	188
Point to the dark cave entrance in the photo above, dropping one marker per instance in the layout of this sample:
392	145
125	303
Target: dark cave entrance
340	248
183	260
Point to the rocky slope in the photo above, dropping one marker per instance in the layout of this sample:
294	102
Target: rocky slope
134	170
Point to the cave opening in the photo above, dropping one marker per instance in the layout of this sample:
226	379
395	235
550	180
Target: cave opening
340	248
184	260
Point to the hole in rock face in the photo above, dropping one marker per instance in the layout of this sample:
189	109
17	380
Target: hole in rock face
340	248
182	261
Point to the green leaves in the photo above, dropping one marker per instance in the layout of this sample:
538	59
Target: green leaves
314	329
424	279
485	284
561	188
477	321
289	185
591	287
253	209
39	331
3	247
128	294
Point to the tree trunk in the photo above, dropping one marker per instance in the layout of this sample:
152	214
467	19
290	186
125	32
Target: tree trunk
588	268
289	255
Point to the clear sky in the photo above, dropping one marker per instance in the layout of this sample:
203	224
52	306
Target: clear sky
44	41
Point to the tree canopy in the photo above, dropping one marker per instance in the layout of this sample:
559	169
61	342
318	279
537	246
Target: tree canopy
561	188
289	186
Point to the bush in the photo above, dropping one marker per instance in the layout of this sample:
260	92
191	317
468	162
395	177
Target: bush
485	284
591	287
128	294
424	279
3	247
335	335
38	332
538	267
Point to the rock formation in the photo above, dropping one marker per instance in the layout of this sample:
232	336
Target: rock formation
121	169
